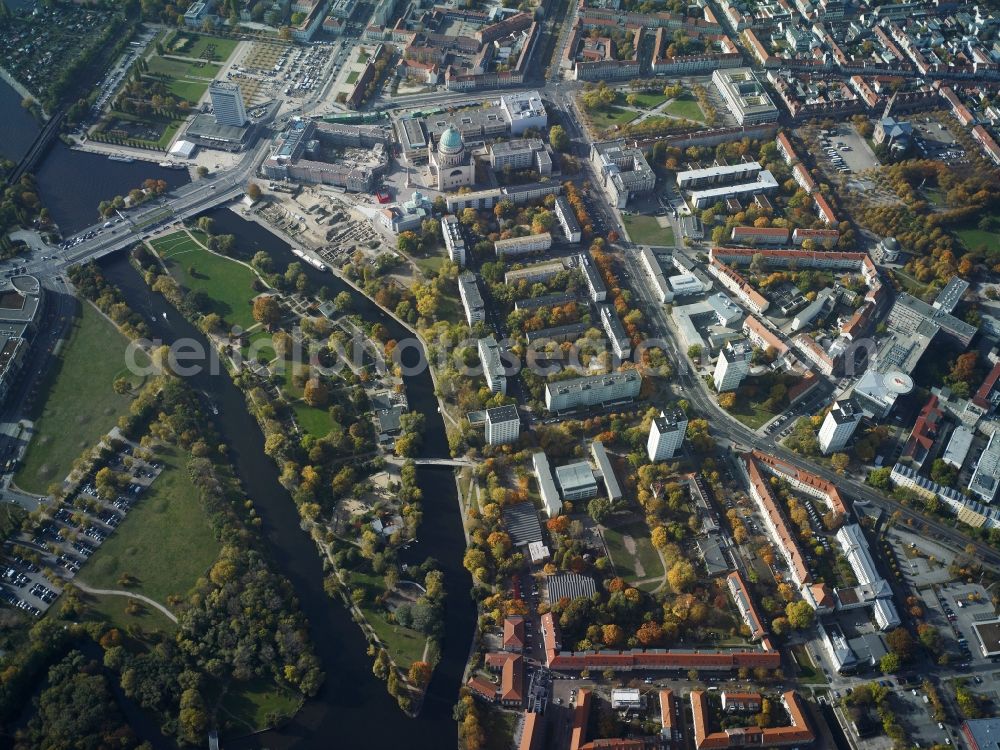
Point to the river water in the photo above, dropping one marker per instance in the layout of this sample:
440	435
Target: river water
353	709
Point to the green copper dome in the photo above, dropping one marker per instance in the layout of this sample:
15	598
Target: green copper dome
451	141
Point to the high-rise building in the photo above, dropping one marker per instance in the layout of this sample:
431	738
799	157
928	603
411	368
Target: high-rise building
493	369
503	425
666	435
838	426
227	103
592	390
733	366
453	239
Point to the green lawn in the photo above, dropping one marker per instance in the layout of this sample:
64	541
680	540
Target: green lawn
112	610
353	76
807	672
198	49
405	645
605	119
973	239
250	703
166	541
80	406
685	106
625	563
191	91
363	57
432	264
645	230
174	68
317	422
260	343
750	413
909	284
227	283
648	99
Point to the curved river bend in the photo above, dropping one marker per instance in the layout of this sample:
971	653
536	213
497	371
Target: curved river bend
353	709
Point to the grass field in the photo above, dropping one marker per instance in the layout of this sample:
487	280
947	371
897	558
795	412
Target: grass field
807	672
625	562
645	230
260	344
227	283
250	703
431	265
604	119
190	91
169	66
405	645
648	99
317	422
81	405
165	541
974	239
751	413
353	76
685	106
112	610
909	284
204	46
363	57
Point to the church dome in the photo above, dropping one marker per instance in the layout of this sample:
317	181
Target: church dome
451	142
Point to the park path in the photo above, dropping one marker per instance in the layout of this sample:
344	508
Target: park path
116	592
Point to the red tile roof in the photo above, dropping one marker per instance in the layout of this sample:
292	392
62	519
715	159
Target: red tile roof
824	209
783	467
755	329
512	680
981	399
482	687
786	537
532	732
513	633
925	431
797	732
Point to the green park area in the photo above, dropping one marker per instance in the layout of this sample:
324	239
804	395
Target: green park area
752	412
633	553
980	239
404	645
228	284
250	704
648	99
200	46
353	76
315	421
177	68
363	56
608	117
164	544
685	106
116	611
646	230
80	404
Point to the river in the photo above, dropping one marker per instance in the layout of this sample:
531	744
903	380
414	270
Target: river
353	709
352	706
72	183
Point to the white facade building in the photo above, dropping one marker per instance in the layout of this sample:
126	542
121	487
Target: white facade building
839	425
503	425
546	485
733	366
493	369
453	239
666	435
472	298
227	104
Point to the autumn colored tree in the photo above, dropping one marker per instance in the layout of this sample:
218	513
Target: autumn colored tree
612	634
316	393
727	400
649	633
266	310
558	525
420	673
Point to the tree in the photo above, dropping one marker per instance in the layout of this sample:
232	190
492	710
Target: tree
681	576
420	673
558	138
727	400
202	171
800	615
612	634
266	310
253	191
121	386
901	643
889	663
840	462
599	509
316	393
879	478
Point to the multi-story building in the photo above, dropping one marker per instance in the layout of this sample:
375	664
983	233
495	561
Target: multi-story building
546	486
908	313
745	96
622	170
621	345
606	470
576	481
839	425
524	110
666	435
728	174
534	272
732	366
986	478
521	154
453	240
567	219
592	390
595	284
227	103
764	185
531	243
503	425
493	367
472	298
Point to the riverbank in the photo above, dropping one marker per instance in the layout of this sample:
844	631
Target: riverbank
7	78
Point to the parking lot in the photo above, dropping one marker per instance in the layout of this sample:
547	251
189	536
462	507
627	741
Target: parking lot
848	151
933	140
37	564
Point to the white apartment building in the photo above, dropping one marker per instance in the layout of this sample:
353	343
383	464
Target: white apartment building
513	246
472	298
592	390
839	425
567	219
503	425
493	369
227	104
453	239
621	345
732	366
666	435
